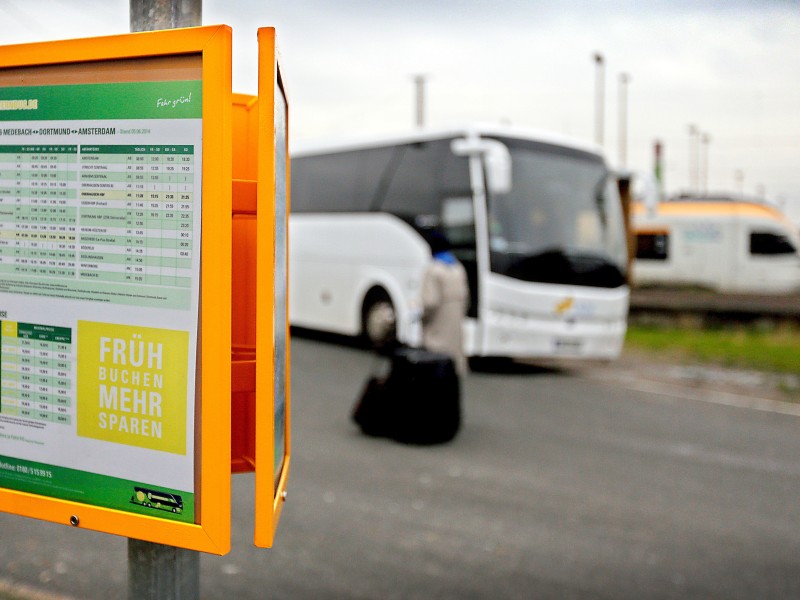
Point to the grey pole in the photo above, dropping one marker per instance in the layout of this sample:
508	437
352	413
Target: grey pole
419	86
623	119
705	139
738	175
599	103
694	136
158	571
150	15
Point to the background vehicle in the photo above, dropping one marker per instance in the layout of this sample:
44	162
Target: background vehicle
719	243
534	218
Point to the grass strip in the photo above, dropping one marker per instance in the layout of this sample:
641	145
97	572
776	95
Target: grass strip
776	350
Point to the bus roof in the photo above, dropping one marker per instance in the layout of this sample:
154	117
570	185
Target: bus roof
341	144
711	207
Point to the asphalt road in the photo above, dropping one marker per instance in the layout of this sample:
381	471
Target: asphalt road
559	486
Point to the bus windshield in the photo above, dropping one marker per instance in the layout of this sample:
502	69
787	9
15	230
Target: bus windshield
562	220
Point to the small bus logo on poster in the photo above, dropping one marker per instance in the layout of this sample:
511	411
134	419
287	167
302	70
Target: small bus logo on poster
157	499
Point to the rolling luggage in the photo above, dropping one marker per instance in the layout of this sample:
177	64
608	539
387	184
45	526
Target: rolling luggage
371	410
417	403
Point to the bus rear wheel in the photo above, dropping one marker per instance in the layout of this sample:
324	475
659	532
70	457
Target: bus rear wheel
379	320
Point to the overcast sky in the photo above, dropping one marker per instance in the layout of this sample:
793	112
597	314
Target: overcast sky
731	68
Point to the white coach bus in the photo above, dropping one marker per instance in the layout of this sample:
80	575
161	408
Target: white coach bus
534	218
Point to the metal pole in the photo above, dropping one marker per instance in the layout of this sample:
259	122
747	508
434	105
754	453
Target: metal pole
738	175
623	119
705	139
158	571
599	105
694	132
419	85
150	15
697	159
658	167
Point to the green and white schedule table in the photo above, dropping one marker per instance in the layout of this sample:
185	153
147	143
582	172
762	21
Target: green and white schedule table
100	237
106	213
36	372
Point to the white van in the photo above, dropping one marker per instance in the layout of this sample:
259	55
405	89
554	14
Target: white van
719	243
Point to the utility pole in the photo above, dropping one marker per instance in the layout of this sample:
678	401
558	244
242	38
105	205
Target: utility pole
158	571
658	166
599	104
624	79
694	136
738	175
419	86
705	140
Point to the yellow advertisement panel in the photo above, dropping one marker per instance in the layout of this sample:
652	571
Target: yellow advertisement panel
132	385
114	362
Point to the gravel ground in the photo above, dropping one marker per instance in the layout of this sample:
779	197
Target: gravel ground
644	368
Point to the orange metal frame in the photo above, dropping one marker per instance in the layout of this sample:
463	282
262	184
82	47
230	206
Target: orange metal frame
253	327
243	341
269	495
211	533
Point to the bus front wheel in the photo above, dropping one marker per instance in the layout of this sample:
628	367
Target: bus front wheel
379	319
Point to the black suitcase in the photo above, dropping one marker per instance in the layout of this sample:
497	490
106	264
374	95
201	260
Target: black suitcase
371	410
417	403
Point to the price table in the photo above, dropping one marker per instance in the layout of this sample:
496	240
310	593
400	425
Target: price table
36	372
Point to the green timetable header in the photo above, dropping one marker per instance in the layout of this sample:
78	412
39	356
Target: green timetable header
45	333
137	149
93	102
94	149
38	149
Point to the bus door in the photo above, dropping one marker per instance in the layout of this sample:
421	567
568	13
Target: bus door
458	224
490	173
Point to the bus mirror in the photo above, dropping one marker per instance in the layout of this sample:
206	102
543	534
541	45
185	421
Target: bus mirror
496	159
498	167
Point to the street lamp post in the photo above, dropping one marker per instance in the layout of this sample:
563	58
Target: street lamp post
705	139
694	136
624	79
738	175
599	106
419	87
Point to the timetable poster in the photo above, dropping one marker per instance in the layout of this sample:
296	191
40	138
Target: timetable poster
100	213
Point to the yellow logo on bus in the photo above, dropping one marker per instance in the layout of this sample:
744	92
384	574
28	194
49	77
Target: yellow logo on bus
565	305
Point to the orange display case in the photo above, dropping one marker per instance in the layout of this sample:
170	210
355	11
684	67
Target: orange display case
202	53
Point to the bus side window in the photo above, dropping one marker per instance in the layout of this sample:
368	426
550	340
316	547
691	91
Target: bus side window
652	246
458	220
427	173
766	243
342	182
